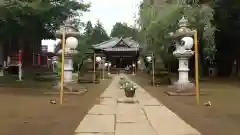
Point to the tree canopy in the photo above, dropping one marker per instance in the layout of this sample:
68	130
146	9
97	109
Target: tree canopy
36	18
99	33
157	21
92	35
123	30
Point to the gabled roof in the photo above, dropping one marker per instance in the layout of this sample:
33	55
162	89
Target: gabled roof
107	44
112	45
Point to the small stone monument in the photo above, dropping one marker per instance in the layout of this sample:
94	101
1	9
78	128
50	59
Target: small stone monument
184	43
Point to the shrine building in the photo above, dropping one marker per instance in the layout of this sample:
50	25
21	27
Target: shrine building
120	52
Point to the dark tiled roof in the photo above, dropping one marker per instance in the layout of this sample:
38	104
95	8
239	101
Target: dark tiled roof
110	45
107	44
121	49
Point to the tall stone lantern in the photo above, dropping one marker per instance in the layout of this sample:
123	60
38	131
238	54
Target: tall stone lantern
68	34
184	43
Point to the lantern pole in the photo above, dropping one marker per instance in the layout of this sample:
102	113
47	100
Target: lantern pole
109	65
153	70
94	67
103	68
33	58
196	66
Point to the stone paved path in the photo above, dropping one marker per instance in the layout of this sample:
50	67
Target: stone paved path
145	117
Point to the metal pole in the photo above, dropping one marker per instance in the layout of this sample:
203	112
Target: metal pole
20	72
62	67
196	66
20	65
135	67
103	63
78	72
53	67
33	58
39	59
47	62
94	67
153	70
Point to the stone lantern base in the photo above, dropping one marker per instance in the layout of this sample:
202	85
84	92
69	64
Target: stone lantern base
183	83
68	69
183	87
68	73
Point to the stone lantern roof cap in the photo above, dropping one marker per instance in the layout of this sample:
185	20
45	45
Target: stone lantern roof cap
183	22
183	29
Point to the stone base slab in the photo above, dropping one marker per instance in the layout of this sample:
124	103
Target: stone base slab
170	93
66	93
179	86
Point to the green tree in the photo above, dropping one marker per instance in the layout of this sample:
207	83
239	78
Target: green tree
123	30
83	52
88	32
88	29
99	34
157	22
90	37
36	19
24	23
84	46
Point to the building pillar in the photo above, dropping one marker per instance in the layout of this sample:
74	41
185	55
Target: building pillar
1	54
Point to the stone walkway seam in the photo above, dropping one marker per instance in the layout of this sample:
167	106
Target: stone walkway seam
147	116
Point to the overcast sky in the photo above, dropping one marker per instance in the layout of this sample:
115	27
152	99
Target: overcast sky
111	11
108	12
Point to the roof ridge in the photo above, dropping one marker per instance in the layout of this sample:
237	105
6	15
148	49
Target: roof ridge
104	42
129	39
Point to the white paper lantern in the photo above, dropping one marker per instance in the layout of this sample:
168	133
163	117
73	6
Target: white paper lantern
109	64
98	59
138	62
105	64
188	42
133	65
149	58
71	42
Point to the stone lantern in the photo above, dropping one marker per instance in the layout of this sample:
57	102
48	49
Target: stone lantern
71	34
184	43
